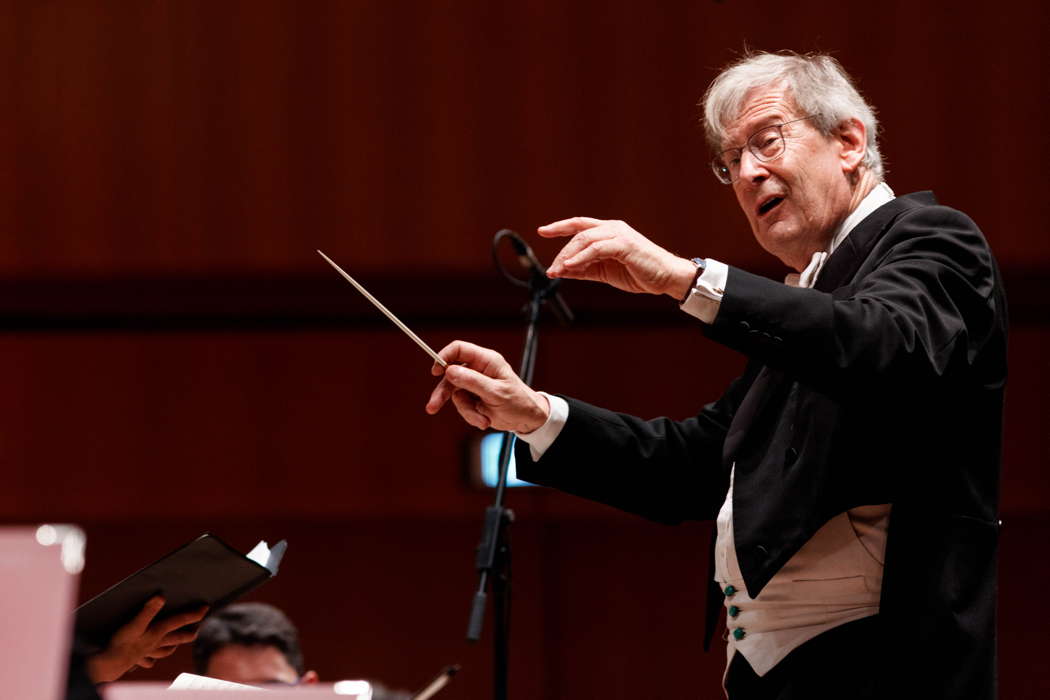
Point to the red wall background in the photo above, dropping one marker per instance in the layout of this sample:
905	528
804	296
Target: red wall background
175	358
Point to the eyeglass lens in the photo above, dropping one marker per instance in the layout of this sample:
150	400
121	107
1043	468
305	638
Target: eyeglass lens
765	145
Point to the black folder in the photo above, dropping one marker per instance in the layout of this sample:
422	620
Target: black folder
206	571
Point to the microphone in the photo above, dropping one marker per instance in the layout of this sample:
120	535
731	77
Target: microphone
538	279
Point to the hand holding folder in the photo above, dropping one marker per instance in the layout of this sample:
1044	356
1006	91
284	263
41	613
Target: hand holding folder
205	572
143	641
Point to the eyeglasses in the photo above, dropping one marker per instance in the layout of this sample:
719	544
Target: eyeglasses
765	144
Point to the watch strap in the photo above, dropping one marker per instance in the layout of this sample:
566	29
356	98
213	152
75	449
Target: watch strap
701	265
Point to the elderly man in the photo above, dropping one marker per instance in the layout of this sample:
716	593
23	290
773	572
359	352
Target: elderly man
852	470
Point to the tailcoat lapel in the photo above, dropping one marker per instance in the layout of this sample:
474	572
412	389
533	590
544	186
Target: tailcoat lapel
767	390
843	264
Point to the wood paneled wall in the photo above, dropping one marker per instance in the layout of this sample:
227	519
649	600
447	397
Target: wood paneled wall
165	137
175	357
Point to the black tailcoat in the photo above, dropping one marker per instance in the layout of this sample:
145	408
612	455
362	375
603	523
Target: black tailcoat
882	384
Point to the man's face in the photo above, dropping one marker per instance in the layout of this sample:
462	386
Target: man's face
257	664
795	201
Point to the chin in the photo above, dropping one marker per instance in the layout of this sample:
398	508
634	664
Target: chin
779	241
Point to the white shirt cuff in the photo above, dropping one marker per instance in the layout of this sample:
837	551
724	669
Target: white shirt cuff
705	298
543	437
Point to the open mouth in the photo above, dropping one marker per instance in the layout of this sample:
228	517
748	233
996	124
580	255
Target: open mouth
769	205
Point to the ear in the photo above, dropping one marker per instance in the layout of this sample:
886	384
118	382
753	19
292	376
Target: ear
853	143
309	678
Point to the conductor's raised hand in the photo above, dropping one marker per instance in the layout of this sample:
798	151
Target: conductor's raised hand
485	390
612	252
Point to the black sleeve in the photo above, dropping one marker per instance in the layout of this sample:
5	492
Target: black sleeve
662	469
922	308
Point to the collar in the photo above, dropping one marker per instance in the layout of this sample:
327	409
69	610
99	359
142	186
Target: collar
879	195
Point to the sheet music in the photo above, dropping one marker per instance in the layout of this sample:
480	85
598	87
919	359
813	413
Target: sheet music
265	555
190	681
260	553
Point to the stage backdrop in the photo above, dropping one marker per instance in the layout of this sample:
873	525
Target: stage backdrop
176	358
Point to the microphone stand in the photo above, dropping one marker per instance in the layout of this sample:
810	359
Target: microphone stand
493	560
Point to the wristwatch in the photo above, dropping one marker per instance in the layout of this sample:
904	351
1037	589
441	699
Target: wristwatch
701	265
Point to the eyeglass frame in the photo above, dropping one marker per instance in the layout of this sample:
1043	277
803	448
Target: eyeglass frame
717	160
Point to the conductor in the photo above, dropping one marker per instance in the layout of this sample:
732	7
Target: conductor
853	469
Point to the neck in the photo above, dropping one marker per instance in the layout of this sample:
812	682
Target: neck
864	183
861	185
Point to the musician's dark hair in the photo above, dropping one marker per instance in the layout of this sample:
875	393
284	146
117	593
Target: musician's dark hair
247	624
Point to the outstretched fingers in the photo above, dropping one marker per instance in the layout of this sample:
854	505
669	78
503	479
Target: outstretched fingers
568	227
177	637
141	622
577	263
171	625
440	395
162	652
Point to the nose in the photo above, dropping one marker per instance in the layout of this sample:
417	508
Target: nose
752	170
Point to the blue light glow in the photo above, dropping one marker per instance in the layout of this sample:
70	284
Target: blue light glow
490	447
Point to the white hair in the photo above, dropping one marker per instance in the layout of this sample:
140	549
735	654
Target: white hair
817	84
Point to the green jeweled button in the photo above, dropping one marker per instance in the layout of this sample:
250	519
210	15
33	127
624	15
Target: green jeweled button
729	590
738	633
733	611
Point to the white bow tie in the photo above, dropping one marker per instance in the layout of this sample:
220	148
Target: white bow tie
808	276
